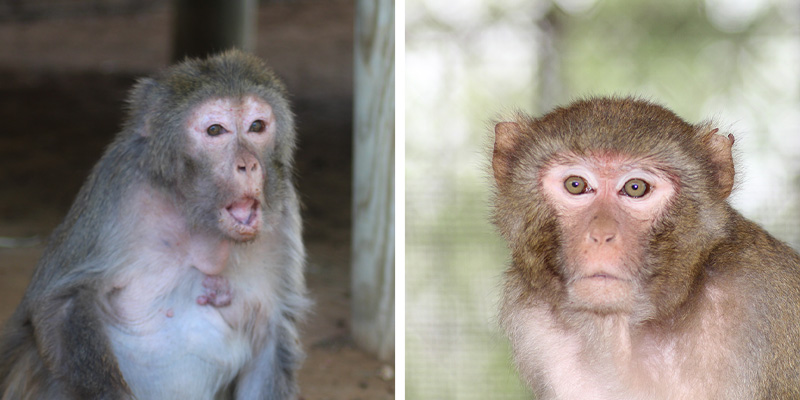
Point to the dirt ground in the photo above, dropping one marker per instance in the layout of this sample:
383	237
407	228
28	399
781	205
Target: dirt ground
63	81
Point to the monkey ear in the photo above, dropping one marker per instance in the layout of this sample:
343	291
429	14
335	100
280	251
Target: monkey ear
143	102
720	148
506	137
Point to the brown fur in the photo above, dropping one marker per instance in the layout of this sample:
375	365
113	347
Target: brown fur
717	305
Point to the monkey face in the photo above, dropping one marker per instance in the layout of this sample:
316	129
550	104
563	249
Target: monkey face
229	142
605	206
609	205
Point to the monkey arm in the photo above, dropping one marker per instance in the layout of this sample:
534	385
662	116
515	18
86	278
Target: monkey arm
271	372
75	349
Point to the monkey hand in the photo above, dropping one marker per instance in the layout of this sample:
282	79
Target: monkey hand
217	291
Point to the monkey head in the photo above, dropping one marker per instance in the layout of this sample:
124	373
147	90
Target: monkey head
219	134
608	204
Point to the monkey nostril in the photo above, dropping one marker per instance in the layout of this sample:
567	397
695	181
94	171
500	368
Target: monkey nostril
247	168
601	238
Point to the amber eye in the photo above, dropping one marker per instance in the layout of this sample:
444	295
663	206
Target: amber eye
214	130
575	185
636	188
257	126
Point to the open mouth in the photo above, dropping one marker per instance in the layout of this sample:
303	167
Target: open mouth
244	211
245	220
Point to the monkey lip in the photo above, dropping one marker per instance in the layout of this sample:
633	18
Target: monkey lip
602	276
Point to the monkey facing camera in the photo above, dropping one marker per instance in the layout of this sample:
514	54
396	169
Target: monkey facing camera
631	275
178	271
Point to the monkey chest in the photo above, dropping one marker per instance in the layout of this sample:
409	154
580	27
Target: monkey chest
187	352
614	364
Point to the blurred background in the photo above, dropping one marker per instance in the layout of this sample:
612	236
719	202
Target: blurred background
734	61
65	69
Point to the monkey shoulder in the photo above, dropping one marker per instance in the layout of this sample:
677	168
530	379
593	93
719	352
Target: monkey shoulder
752	254
756	278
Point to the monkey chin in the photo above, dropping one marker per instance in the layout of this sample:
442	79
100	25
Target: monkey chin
601	293
241	220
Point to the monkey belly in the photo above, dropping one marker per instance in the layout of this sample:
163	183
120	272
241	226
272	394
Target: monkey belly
194	354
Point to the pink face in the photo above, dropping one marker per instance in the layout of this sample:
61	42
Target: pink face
232	135
605	207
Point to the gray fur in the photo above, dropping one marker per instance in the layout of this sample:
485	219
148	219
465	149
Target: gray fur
63	340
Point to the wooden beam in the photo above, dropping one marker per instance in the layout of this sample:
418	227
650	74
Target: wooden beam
373	178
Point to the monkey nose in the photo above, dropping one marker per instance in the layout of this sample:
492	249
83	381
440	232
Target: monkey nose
248	172
247	164
247	167
600	237
602	229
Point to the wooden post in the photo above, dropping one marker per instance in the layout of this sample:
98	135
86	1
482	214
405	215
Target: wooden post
373	178
203	27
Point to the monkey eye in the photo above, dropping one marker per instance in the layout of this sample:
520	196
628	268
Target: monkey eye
635	188
257	126
576	185
215	130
